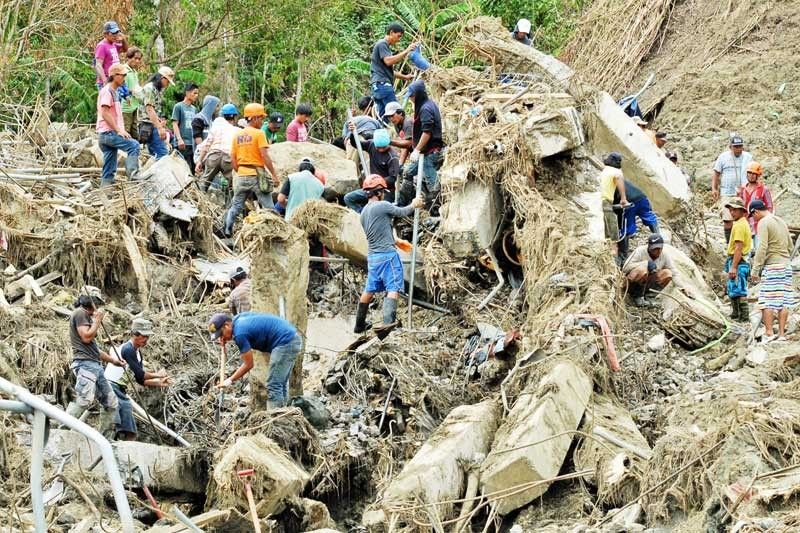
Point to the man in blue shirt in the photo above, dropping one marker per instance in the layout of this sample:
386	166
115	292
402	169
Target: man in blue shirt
265	333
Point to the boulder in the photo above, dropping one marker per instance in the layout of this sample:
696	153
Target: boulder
163	180
339	228
553	406
470	219
341	171
592	205
554	132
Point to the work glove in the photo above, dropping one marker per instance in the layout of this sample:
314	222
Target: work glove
651	266
414	157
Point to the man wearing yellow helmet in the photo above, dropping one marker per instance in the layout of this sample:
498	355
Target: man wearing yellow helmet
251	162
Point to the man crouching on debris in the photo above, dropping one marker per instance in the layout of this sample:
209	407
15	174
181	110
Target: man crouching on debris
141	331
265	333
648	267
384	269
740	244
90	380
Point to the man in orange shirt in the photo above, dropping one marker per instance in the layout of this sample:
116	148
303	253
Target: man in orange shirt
251	162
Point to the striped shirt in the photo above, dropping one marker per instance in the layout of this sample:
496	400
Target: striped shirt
239	300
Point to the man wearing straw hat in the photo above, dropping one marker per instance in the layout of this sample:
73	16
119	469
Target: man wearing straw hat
111	132
736	266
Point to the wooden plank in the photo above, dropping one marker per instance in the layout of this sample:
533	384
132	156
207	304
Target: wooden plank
16	289
139	267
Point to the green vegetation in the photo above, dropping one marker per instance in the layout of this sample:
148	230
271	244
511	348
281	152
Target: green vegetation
278	53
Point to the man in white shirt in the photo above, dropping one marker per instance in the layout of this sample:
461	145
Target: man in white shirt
648	267
214	153
729	175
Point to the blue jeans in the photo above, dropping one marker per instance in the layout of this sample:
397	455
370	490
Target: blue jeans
644	211
123	419
281	362
91	384
737	288
110	142
382	94
156	145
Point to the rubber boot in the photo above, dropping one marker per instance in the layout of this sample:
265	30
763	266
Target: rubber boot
389	318
744	310
273	405
361	318
105	423
735	308
727	235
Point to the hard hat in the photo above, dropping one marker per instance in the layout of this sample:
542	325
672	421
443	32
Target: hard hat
373	182
614	159
523	25
381	138
755	168
254	110
229	110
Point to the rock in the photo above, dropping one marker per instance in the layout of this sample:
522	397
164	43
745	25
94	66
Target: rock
553	406
592	206
643	163
437	471
276	477
470	219
657	342
374	520
341	171
163	467
339	228
163	180
554	132
315	515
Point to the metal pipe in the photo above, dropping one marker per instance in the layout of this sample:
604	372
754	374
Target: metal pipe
185	520
57	414
15	407
37	467
431	307
364	168
500	281
420	164
317	259
139	410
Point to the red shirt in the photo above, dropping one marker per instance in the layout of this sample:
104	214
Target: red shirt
296	132
760	192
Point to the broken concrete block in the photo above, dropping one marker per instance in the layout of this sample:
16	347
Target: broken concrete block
643	163
163	180
554	132
543	410
470	219
341	171
315	515
617	445
438	471
592	204
337	227
164	468
276	477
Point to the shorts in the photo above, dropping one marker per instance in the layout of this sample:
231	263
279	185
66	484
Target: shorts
123	419
776	291
610	222
384	273
91	384
725	213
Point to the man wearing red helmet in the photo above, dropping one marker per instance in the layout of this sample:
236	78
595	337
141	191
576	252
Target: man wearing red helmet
384	269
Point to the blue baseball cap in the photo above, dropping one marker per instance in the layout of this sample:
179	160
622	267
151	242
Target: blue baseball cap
215	324
111	27
756	205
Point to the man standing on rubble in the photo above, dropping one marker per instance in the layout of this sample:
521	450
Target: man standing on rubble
638	207
107	51
403	127
522	32
265	333
736	266
90	381
183	114
772	268
612	182
134	97
239	299
152	130
111	129
383	161
141	331
755	189
384	269
251	162
381	66
214	153
728	176
428	141
648	267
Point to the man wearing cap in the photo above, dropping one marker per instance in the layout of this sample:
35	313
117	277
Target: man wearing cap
251	161
643	126
273	128
365	126
300	187
428	141
239	299
384	268
90	381
650	266
739	246
728	175
152	130
522	32
403	128
214	153
111	133
755	189
107	51
381	66
141	331
772	268
383	161
612	182
264	333
661	140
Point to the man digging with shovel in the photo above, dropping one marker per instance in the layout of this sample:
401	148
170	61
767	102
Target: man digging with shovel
384	269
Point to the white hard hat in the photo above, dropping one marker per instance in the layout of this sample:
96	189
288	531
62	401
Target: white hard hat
524	25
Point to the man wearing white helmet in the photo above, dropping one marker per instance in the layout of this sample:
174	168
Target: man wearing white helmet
522	31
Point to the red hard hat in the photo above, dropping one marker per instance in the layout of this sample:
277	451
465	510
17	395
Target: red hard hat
374	181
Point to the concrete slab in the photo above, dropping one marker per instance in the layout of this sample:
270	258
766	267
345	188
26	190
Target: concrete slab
592	204
163	180
470	219
341	171
555	132
337	227
554	405
642	162
437	472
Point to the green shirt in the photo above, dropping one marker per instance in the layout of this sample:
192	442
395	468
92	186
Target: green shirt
272	136
130	104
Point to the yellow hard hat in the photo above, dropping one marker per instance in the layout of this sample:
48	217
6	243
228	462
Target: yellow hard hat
254	110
